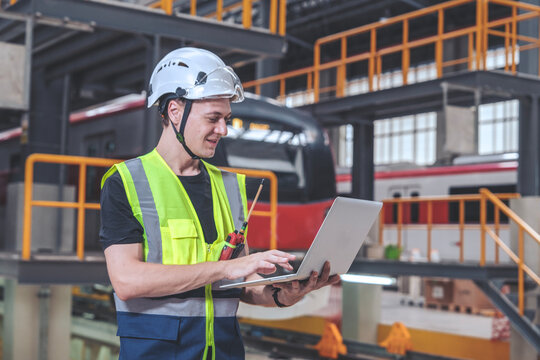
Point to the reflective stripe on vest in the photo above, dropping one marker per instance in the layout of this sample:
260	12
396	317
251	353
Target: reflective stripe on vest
148	208
223	307
235	199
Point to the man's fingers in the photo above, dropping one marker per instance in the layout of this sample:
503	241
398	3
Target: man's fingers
266	267
334	279
326	272
282	261
282	254
312	281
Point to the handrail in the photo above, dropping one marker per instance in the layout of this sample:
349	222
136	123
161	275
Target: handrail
275	25
483	197
520	258
429	201
477	34
81	205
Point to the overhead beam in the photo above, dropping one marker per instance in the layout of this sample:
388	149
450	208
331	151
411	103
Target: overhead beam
125	64
141	20
74	47
97	57
424	96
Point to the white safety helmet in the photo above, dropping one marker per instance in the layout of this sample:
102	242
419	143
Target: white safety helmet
194	74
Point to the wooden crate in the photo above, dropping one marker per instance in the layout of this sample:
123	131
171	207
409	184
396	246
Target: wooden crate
467	294
438	291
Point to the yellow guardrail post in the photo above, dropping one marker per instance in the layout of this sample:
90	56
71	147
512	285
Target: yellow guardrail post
372	54
316	70
81	211
461	230
429	227
497	231
273	16
439	44
482	228
27	220
478	33
514	38
167	6
521	278
399	222
193	8
506	45
381	226
219	10
246	13
282	17
405	53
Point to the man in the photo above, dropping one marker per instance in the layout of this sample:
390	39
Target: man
165	217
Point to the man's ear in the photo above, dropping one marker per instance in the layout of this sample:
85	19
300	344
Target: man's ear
175	110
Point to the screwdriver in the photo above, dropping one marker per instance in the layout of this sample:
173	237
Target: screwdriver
236	238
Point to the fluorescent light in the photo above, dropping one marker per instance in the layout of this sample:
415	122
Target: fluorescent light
368	279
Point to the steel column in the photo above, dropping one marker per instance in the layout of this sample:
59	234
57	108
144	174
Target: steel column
528	183
363	168
64	125
267	67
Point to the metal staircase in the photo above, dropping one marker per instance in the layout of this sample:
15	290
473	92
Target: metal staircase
488	276
524	324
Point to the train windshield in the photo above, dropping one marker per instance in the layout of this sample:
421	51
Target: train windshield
265	145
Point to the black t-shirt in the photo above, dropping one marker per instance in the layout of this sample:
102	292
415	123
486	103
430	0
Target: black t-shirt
119	226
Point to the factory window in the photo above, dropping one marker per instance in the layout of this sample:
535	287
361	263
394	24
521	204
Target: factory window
407	139
498	127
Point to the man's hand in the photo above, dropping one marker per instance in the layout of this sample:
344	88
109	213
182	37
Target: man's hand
261	263
294	291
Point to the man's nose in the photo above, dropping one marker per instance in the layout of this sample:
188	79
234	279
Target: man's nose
221	127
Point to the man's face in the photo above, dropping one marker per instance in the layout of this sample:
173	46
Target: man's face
206	124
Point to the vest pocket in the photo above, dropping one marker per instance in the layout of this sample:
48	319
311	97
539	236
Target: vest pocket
183	241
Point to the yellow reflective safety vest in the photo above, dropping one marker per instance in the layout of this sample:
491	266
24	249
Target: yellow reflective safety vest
195	324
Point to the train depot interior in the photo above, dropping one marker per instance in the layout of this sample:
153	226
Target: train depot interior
428	106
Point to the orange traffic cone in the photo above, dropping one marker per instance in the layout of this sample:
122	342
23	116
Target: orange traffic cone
399	340
331	344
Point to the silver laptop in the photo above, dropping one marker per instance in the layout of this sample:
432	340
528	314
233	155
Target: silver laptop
338	241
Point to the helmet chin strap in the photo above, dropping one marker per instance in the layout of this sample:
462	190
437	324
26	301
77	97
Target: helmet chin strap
180	134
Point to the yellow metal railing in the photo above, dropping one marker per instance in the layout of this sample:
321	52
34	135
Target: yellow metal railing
81	205
477	35
483	198
276	24
429	201
523	228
